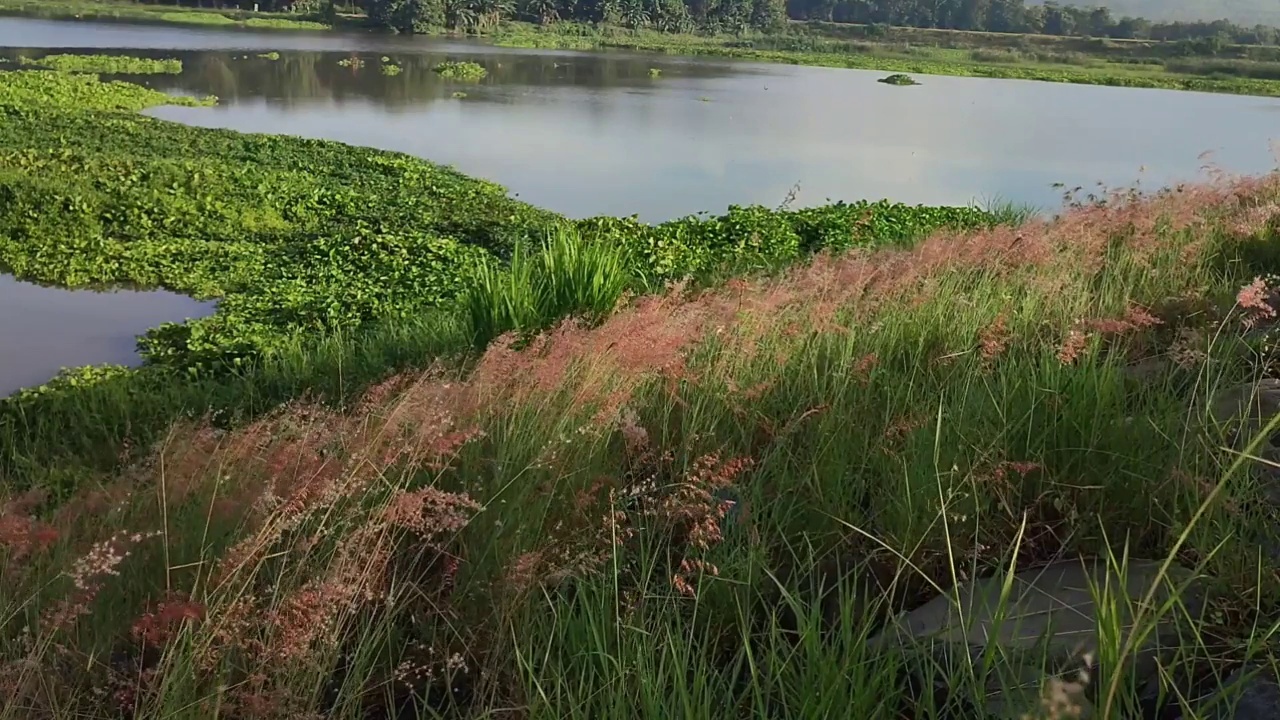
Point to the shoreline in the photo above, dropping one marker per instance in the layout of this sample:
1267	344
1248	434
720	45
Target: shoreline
884	56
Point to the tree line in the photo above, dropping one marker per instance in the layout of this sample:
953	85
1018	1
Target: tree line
1001	16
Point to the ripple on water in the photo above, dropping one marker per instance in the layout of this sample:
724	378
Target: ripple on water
44	329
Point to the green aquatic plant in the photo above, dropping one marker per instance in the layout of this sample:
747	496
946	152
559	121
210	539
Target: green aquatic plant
457	95
655	73
273	55
390	69
898	79
352	62
27	90
104	64
463	70
278	23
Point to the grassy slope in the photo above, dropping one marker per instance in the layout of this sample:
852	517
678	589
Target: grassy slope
547	531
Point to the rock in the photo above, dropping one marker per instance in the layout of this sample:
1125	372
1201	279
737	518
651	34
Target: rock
1245	410
1048	624
1247	694
1148	370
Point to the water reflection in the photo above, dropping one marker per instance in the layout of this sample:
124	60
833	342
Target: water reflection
45	329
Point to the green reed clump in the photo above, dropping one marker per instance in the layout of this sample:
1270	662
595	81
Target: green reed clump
563	276
273	55
105	64
461	70
390	69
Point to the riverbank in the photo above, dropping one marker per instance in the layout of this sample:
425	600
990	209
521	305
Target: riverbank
1243	70
167	14
801	48
354	493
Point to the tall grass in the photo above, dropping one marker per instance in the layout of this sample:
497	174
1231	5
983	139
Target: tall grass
706	504
561	277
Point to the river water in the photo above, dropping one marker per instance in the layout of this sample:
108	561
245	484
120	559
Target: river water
597	133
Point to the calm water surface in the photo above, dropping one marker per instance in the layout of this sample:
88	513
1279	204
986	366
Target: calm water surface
43	329
594	133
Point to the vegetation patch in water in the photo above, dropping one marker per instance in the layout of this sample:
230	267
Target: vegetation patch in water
463	70
105	64
898	79
391	69
273	55
655	73
458	95
28	90
353	62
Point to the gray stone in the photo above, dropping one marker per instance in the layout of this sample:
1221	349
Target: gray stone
1245	411
1247	694
1047	622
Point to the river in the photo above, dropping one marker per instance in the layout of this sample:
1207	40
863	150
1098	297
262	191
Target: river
601	133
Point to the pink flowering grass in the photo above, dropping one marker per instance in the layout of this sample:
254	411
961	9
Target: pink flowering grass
709	499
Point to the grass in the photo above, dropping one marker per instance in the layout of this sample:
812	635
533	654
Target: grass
707	500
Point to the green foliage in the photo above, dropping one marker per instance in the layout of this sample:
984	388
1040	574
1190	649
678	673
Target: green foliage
290	235
105	64
898	79
25	91
273	55
655	73
352	62
462	70
407	16
756	238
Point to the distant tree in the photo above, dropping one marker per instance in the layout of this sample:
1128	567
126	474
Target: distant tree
407	16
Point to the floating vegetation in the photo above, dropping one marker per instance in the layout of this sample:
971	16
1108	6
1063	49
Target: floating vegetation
898	79
353	62
458	95
390	69
463	70
38	89
273	55
105	64
655	73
